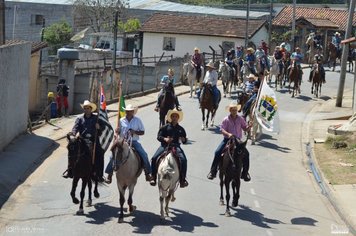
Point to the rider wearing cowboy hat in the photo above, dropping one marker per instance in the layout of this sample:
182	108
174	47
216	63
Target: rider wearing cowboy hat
232	125
197	61
171	135
251	60
336	40
211	77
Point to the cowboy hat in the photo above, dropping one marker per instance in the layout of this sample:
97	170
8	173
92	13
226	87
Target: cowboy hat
196	49
170	71
337	33
251	76
87	103
130	107
233	105
174	111
210	64
250	49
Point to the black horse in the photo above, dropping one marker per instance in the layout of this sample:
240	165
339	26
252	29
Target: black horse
230	169
167	101
80	158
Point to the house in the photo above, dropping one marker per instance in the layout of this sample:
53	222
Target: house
162	33
325	20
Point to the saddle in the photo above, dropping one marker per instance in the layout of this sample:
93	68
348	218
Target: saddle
173	150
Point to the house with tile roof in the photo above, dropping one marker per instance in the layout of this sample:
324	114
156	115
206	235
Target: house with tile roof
177	35
325	20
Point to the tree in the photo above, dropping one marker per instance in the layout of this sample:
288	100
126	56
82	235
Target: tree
131	25
57	35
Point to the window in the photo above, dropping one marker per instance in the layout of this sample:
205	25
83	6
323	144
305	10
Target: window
169	44
37	19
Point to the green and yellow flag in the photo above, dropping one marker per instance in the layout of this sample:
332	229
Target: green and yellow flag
122	105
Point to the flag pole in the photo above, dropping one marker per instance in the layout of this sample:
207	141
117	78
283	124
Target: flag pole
119	102
257	99
97	118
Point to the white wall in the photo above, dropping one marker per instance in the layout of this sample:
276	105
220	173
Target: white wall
14	91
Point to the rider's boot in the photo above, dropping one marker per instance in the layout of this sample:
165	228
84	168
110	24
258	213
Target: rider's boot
154	173
108	179
213	169
183	182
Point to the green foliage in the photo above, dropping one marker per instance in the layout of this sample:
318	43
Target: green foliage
131	25
57	35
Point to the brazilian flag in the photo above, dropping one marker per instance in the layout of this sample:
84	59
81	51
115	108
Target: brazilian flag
122	105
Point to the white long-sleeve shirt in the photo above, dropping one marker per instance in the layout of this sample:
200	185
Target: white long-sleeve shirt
211	77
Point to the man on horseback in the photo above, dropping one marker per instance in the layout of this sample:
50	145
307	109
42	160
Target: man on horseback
318	58
336	40
232	125
171	135
285	46
211	77
251	60
318	40
262	59
247	106
197	61
87	126
167	82
278	56
264	47
297	57
131	127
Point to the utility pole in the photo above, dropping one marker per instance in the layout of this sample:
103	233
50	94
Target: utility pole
345	52
113	66
293	25
270	26
2	22
247	21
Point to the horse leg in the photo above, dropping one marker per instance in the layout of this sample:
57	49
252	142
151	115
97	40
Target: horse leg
130	200
96	192
122	201
312	88
221	202
191	88
89	202
203	118
166	209
227	197
161	199
74	187
82	195
207	119
236	190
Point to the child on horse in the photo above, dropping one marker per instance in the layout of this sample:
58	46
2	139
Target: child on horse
171	135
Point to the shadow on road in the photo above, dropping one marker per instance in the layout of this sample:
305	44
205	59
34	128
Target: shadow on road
273	146
303	221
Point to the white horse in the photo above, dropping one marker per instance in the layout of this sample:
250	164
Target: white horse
128	169
274	71
191	73
168	179
226	73
312	50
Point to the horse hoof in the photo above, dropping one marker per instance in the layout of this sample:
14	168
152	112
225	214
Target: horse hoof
132	208
80	212
221	202
224	95
253	143
202	127
120	220
190	96
75	200
96	194
234	203
173	199
89	203
227	213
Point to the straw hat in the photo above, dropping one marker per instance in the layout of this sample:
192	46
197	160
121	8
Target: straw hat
211	64
251	76
130	107
233	105
196	49
87	103
337	33
174	111
250	49
170	71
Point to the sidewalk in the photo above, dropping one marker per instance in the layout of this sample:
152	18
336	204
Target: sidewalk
26	153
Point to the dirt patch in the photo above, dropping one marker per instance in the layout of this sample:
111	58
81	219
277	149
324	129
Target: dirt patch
337	159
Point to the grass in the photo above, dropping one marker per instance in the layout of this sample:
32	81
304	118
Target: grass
335	163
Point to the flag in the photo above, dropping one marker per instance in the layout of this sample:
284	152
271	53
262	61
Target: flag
107	132
122	105
266	110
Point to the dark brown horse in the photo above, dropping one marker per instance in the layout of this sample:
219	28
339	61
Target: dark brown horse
294	77
333	55
316	80
167	101
79	156
207	103
230	172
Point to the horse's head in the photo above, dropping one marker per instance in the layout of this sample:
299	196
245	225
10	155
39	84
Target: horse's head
240	150
77	149
121	151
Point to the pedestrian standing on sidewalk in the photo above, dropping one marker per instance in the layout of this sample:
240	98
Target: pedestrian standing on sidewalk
62	97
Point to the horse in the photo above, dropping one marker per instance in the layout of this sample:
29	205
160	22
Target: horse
167	100
207	103
351	57
168	179
239	73
275	71
79	156
316	80
294	77
261	67
128	168
190	72
246	71
311	44
226	74
333	55
230	169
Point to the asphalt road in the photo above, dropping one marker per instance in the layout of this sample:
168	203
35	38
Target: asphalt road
282	198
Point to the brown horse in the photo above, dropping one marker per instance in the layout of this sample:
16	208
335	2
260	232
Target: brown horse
128	168
79	156
333	55
230	172
316	80
294	77
167	101
207	103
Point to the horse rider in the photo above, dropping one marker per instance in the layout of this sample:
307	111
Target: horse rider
232	125
336	40
230	58
166	82
318	40
264	47
131	127
297	56
278	56
249	84
239	55
197	61
171	135
285	46
251	60
262	58
318	58
247	106
87	126
211	77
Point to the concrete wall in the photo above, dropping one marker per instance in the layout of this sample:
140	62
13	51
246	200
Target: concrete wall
14	91
34	85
